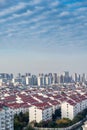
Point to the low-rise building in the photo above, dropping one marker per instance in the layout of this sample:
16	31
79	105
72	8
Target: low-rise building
17	108
40	112
70	108
6	118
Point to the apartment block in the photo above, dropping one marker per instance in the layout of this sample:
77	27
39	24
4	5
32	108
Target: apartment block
70	108
40	112
6	118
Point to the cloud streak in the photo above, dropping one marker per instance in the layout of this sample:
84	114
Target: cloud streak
45	20
13	9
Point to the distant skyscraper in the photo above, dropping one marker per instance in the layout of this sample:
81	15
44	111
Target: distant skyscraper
28	74
75	77
48	80
54	76
83	77
66	77
41	80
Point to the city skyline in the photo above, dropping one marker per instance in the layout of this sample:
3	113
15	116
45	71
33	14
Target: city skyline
43	36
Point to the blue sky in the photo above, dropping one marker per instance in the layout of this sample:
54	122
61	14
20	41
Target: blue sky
43	35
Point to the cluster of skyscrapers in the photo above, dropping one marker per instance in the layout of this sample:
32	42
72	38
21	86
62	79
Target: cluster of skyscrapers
42	79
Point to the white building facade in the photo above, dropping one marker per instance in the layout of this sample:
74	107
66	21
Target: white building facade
69	109
6	119
39	114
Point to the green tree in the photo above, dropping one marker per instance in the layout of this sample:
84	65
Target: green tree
56	115
65	122
29	128
21	121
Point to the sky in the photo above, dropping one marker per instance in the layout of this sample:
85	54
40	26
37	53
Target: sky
43	36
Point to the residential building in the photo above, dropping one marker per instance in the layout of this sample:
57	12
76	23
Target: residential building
40	112
70	108
6	118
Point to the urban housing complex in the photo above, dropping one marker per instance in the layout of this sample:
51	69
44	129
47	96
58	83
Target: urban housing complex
41	96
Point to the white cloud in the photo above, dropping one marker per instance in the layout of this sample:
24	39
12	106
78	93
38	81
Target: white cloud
55	3
82	9
64	13
13	9
40	19
36	1
27	13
